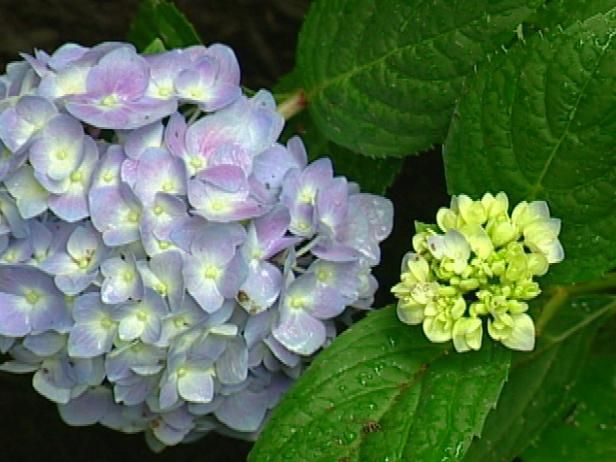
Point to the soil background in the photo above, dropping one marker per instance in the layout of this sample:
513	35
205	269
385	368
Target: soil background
263	34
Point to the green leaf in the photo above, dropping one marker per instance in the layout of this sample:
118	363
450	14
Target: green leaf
156	46
421	227
161	19
538	383
382	77
539	122
373	175
587	431
562	13
383	392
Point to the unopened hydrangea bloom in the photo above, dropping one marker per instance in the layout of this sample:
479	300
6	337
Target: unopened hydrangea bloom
479	262
166	265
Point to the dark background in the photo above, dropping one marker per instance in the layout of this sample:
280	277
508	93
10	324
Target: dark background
263	34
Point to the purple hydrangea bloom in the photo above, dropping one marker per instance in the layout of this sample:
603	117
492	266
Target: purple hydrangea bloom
115	93
166	265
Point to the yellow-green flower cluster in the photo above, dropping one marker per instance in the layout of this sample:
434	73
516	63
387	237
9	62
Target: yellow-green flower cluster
478	262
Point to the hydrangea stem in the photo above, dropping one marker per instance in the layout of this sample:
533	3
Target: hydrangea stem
561	294
293	105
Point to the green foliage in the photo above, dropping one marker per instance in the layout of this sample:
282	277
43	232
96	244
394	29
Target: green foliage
382	77
539	123
374	175
383	392
538	383
156	46
587	431
160	19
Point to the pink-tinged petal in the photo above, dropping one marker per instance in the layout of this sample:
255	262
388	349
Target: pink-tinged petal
175	134
72	206
229	178
30	196
164	68
59	263
50	313
217	205
137	141
231	154
88	308
115	212
333	251
271	166
121	115
59	150
203	290
129	173
89	340
379	211
244	411
121	72
42	383
66	55
19	123
299	332
232	365
296	148
261	288
107	174
168	394
328	303
10	214
332	205
159	171
14	319
217	243
73	284
46	344
284	356
82	240
271	228
196	386
168	268
88	409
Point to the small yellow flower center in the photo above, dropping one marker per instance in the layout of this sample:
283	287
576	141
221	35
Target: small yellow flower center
32	297
107	322
142	316
167	186
211	272
133	217
158	210
109	101
182	371
128	276
164	245
196	162
76	177
161	289
297	303
61	154
108	176
324	275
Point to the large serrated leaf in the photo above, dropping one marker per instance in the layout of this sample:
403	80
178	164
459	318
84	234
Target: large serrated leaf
587	431
382	76
374	175
538	384
540	123
160	19
381	392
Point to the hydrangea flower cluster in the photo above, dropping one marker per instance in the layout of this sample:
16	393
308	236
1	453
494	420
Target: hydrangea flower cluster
165	264
479	261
